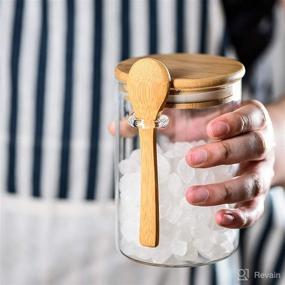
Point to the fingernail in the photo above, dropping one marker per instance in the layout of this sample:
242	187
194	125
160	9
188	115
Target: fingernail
220	129
228	219
198	195
198	156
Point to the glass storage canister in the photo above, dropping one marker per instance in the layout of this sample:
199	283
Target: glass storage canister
165	104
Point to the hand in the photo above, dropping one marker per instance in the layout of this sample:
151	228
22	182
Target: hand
243	136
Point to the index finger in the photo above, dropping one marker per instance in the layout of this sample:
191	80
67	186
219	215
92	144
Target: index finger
249	117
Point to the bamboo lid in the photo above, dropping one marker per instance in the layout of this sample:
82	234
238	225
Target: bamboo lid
191	72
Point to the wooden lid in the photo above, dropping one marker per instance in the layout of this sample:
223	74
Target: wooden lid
191	71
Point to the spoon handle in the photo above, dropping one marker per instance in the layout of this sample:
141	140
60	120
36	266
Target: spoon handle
149	216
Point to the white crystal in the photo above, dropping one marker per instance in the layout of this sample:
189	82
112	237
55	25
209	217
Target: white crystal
130	188
129	166
130	231
178	149
164	142
210	178
144	253
185	171
161	253
190	255
179	247
163	168
187	233
174	215
224	172
136	156
128	248
165	207
175	185
184	233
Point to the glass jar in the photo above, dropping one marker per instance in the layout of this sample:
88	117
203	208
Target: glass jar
201	87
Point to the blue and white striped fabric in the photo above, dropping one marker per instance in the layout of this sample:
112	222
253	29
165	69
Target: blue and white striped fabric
57	95
55	65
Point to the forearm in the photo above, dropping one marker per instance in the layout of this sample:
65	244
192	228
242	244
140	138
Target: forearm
277	115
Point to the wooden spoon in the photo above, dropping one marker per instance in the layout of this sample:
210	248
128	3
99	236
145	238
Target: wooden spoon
148	86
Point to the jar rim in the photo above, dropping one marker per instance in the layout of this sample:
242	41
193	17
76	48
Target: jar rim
197	99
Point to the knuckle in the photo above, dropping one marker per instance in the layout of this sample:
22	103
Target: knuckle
227	193
257	185
226	150
248	221
244	218
253	118
262	112
251	217
260	143
244	123
246	189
